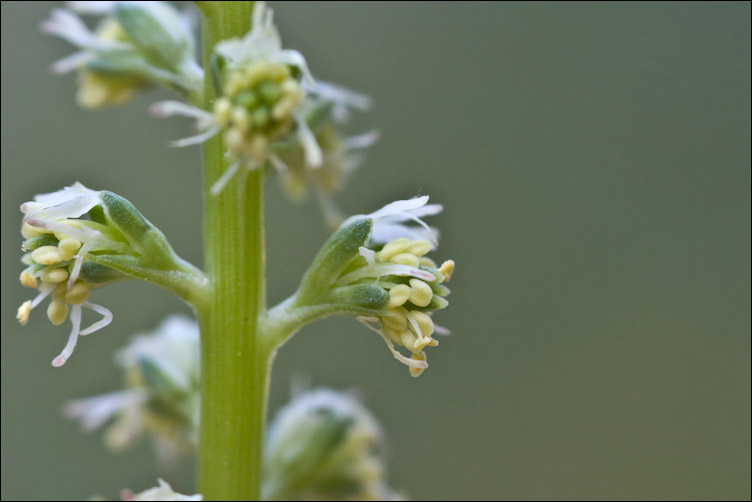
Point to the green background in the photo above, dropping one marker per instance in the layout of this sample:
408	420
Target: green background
594	162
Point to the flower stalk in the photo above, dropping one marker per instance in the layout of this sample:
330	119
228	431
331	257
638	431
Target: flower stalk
235	361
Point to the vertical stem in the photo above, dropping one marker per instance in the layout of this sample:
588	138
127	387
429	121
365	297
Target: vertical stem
235	363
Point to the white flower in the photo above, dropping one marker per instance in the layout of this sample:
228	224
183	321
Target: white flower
262	43
258	103
162	492
137	43
59	242
390	222
161	398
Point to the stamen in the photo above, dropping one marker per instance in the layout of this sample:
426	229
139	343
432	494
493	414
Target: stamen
104	322
72	339
77	265
219	185
197	139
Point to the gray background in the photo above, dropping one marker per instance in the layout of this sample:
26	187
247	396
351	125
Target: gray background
594	161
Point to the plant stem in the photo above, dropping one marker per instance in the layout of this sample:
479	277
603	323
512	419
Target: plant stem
235	361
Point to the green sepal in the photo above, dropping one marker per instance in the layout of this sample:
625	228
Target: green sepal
146	239
163	379
366	296
39	241
155	27
96	273
333	257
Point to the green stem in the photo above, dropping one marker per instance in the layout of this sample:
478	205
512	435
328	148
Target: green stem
235	359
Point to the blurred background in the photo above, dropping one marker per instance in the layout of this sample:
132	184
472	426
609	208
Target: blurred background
594	162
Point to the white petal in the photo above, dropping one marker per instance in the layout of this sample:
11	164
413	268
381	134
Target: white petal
94	411
163	109
311	148
338	94
90	7
387	232
294	58
75	60
400	207
70	202
361	141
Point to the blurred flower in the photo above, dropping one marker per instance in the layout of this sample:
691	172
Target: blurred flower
260	101
135	45
324	445
161	398
162	492
325	108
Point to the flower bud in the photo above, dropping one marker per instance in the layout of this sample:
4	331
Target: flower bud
324	445
161	398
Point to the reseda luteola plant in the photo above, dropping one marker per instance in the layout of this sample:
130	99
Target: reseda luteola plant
201	387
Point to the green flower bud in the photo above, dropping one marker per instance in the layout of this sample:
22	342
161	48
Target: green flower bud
324	445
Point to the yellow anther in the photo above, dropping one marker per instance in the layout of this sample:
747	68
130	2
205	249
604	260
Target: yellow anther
398	295
257	147
68	247
408	339
28	231
59	292
54	275
234	140
28	279
241	119
222	109
425	323
395	321
428	262
97	90
284	107
417	356
419	247
395	247
23	312
79	293
57	312
392	334
420	293
446	269
46	255
422	343
405	259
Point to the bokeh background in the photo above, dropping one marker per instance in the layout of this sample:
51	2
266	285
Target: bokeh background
594	162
